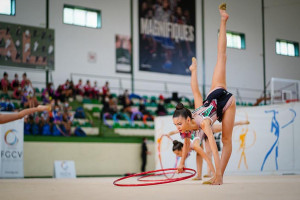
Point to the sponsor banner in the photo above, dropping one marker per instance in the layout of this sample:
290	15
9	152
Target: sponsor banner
268	145
11	145
167	36
123	54
64	169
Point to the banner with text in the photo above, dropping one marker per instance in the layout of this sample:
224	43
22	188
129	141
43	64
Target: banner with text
167	36
11	145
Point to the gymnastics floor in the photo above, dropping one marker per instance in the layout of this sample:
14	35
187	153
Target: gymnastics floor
235	187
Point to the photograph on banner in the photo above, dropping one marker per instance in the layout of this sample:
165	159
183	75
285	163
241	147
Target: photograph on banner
167	35
123	54
26	46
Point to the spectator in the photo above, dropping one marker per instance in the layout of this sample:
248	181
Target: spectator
46	98
24	79
144	154
161	110
88	89
49	89
58	95
6	105
15	85
142	107
105	102
113	106
79	88
29	94
127	104
67	89
5	83
96	91
105	88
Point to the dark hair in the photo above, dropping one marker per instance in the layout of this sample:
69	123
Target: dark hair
177	145
182	111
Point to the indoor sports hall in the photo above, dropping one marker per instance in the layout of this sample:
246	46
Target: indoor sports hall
149	99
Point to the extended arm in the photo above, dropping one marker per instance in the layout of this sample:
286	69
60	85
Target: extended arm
185	150
4	118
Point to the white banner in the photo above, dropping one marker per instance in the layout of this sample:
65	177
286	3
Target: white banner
269	144
11	145
64	169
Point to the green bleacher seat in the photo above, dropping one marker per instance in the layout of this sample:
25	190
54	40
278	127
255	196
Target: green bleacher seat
39	98
95	101
96	109
86	101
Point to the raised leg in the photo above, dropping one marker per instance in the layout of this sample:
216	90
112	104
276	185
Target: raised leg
219	76
194	84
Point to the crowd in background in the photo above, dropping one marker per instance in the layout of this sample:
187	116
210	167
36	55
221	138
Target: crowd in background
60	117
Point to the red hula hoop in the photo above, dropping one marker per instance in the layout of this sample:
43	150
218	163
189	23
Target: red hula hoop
159	155
192	173
142	178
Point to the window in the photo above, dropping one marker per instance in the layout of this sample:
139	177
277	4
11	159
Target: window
235	40
82	16
287	48
8	7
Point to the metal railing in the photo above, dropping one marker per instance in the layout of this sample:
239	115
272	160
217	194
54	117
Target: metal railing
119	84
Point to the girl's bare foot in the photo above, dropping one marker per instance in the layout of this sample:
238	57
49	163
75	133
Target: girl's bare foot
207	176
223	13
210	181
193	66
197	178
218	180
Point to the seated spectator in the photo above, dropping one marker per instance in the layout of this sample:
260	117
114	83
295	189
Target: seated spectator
105	88
66	122
49	90
10	107
24	79
142	107
5	83
16	86
46	98
105	102
58	94
88	90
161	110
127	105
113	105
30	94
79	88
96	91
2	104
67	89
6	105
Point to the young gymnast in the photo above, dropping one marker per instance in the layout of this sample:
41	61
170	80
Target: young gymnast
219	104
177	148
4	118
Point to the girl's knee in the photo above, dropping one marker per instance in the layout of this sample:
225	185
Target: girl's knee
227	141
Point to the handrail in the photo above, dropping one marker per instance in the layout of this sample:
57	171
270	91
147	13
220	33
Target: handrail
165	85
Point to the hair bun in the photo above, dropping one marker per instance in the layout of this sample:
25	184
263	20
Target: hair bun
179	106
175	142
